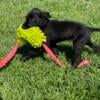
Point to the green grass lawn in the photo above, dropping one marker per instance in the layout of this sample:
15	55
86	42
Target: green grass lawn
37	79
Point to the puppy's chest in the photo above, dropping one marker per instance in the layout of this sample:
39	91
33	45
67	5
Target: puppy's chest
50	33
53	36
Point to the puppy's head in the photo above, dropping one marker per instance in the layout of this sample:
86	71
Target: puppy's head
36	17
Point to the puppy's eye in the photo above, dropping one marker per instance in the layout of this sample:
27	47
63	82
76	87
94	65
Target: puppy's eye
32	16
40	15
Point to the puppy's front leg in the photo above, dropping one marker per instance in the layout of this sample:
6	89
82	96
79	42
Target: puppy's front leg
77	56
53	47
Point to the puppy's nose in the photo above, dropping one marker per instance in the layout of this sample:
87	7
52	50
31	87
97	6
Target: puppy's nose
25	26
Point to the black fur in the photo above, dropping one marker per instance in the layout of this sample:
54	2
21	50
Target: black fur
57	31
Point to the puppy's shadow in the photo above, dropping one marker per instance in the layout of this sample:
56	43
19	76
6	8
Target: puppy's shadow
67	50
28	52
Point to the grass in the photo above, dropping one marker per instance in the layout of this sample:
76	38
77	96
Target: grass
43	80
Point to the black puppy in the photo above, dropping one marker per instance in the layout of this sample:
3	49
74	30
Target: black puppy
57	31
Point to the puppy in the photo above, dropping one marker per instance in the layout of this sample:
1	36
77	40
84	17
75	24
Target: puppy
57	31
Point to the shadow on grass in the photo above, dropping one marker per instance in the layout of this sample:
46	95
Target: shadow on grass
1	98
29	52
67	50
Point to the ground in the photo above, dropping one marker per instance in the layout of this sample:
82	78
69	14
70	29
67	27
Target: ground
37	79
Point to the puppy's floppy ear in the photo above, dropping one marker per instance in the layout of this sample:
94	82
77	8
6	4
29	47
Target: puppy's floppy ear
36	10
45	15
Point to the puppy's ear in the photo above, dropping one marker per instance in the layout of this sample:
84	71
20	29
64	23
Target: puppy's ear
36	10
46	15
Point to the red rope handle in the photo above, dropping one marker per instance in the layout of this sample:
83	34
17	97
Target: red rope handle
52	55
12	53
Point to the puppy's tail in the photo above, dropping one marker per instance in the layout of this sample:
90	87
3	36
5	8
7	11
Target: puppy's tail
94	29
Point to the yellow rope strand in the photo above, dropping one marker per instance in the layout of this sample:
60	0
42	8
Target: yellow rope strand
33	35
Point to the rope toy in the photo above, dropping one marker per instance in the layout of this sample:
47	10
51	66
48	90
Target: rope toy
35	37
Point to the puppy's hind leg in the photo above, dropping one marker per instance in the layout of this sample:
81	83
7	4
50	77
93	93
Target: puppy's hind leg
78	46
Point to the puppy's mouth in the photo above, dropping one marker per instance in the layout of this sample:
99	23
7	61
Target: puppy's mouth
25	26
